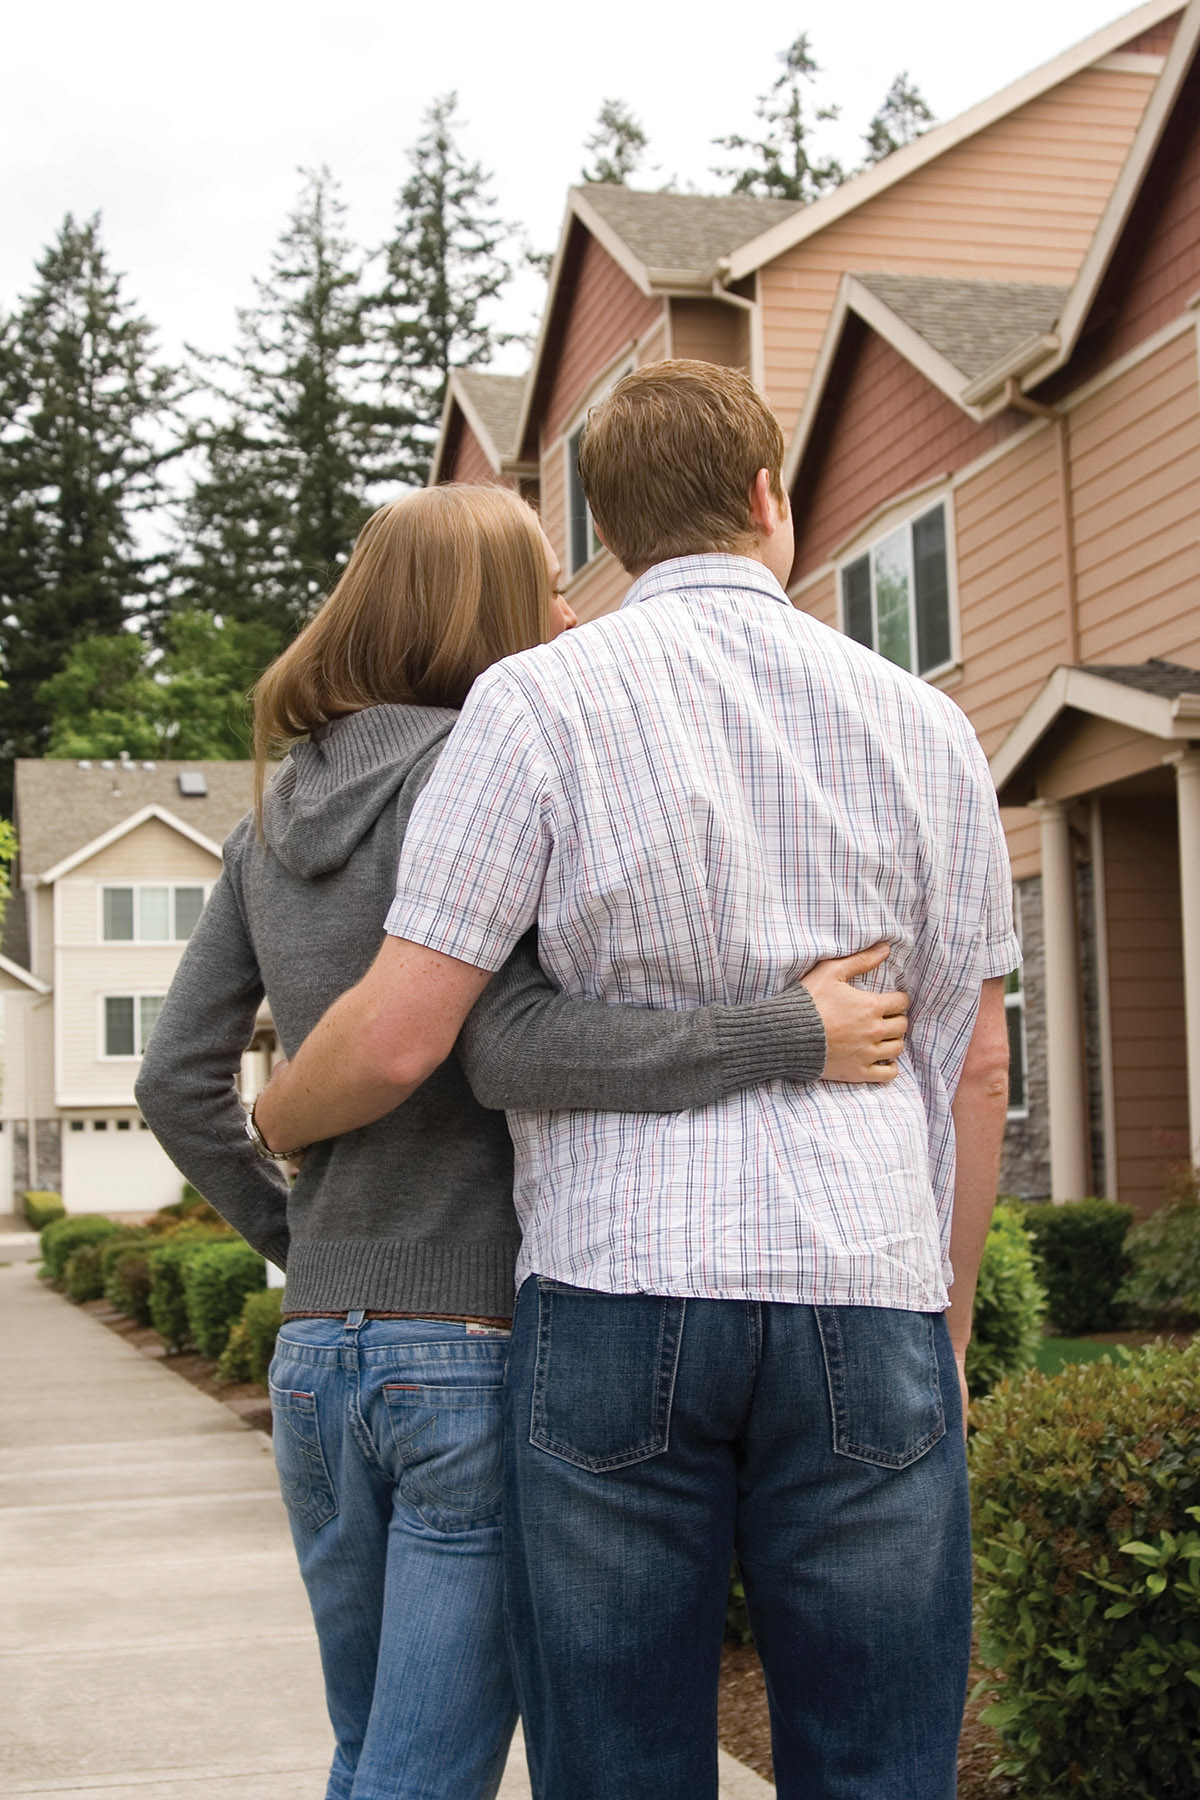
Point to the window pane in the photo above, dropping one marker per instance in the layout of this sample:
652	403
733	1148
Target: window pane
931	579
1016	1059
581	521
153	913
118	1025
149	1007
856	601
189	903
118	915
891	598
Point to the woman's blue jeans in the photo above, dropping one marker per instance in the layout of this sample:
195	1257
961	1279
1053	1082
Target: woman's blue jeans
387	1439
647	1439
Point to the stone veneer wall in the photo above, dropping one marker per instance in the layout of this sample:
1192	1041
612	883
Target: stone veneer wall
49	1158
1025	1162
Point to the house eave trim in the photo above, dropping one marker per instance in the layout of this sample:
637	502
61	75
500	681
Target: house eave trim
25	976
1077	690
117	832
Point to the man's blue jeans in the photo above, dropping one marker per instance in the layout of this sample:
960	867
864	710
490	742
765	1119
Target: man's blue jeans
387	1441
647	1439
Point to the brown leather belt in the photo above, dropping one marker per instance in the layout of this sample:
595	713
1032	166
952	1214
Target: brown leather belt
436	1318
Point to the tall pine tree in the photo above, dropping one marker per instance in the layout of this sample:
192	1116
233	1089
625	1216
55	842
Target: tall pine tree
780	164
445	268
287	464
617	145
903	117
83	405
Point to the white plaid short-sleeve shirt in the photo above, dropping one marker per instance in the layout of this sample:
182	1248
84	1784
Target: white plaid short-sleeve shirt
695	800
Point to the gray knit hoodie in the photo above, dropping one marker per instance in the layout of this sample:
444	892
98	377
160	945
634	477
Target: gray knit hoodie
413	1213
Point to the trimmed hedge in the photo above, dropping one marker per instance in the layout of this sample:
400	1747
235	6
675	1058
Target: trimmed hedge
62	1237
125	1268
1086	1489
1079	1249
167	1261
1010	1304
251	1343
1163	1284
217	1277
81	1276
41	1206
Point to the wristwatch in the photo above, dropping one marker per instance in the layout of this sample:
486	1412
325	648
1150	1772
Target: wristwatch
261	1145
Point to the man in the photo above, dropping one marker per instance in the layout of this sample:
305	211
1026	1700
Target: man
731	1326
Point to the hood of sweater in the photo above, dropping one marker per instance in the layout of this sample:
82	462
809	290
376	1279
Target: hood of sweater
332	787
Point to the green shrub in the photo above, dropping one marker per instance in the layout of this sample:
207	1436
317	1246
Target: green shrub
167	1261
41	1205
191	1206
737	1619
216	1281
1163	1284
260	1320
81	1277
1009	1305
1088	1576
62	1237
1079	1251
233	1364
125	1269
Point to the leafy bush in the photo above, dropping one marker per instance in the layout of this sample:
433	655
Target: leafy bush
233	1364
62	1237
216	1280
737	1618
125	1269
1163	1284
167	1261
1088	1576
1009	1305
1079	1252
41	1205
81	1277
191	1206
260	1321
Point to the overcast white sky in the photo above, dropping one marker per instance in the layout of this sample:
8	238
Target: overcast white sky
185	125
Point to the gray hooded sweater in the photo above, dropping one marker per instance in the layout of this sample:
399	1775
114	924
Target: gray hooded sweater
413	1213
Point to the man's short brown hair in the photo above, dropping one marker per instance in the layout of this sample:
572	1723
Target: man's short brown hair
668	461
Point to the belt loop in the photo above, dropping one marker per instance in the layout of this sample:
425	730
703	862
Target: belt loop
354	1318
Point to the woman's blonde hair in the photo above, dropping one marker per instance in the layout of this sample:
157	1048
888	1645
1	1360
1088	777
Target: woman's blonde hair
440	584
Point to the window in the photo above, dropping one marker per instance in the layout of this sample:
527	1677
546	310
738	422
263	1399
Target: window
128	1021
896	595
584	544
150	915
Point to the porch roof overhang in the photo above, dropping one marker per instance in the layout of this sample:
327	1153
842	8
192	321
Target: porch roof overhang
1160	699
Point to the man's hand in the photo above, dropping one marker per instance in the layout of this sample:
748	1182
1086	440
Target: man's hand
864	1031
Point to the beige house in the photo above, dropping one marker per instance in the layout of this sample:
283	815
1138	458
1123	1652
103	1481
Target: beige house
116	861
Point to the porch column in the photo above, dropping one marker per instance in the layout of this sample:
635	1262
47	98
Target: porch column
1187	787
1066	1072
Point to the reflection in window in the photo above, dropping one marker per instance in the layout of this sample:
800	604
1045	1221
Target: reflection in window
151	914
128	1021
896	596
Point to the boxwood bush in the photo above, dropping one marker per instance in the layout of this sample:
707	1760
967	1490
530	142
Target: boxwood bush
167	1261
1010	1304
81	1276
62	1237
1086	1490
251	1343
125	1269
41	1205
1163	1284
1079	1249
217	1277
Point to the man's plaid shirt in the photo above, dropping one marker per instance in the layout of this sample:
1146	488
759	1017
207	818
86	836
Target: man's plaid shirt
695	800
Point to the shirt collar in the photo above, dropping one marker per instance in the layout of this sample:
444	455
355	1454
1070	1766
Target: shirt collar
715	569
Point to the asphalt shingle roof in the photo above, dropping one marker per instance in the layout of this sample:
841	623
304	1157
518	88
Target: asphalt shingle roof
973	324
1154	676
497	400
684	232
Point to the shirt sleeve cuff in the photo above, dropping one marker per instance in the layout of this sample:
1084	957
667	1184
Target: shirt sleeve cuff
1001	956
462	939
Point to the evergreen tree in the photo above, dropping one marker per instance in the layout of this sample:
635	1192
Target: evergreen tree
617	145
286	467
83	402
445	267
781	164
903	117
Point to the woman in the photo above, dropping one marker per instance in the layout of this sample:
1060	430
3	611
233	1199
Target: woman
399	1240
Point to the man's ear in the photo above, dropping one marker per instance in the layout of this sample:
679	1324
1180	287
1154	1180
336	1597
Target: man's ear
766	513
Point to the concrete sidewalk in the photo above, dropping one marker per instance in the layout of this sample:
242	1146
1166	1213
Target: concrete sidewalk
156	1639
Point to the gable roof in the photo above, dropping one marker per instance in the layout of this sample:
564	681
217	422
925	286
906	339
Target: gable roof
22	976
117	832
901	163
1159	698
491	405
63	807
665	240
953	331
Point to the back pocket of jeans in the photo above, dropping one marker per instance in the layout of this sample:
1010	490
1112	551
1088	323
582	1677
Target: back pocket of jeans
448	1435
884	1394
605	1375
303	1472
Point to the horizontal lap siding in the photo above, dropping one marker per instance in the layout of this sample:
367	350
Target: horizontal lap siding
1018	201
711	331
607	312
1135	461
1154	42
470	462
1146	994
598	589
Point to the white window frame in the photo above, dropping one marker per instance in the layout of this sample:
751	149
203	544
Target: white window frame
571	481
882	529
1015	1002
136	995
135	887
